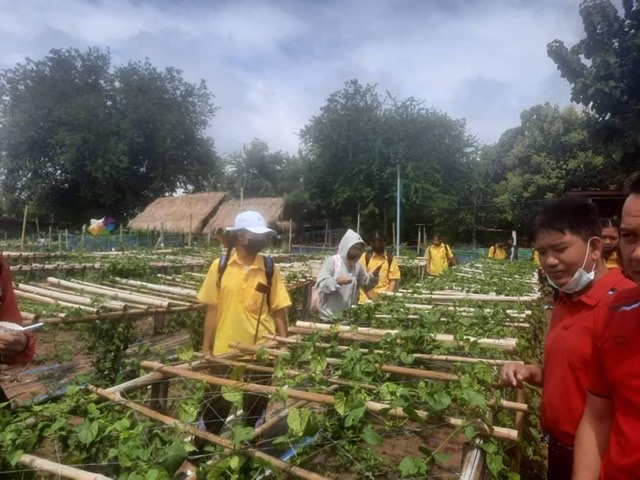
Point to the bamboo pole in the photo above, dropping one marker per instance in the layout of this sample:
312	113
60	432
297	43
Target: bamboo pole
61	471
190	227
421	356
184	292
466	296
413	372
73	299
52	301
125	315
24	227
223	442
492	402
107	292
113	288
507	344
375	407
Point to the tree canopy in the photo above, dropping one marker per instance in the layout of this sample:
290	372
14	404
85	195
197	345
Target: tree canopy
604	72
80	137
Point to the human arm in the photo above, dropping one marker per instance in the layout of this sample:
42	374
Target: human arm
427	258
367	281
15	348
393	285
514	374
280	319
326	281
592	438
210	327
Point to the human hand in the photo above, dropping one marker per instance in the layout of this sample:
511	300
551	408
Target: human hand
344	280
513	374
376	272
12	344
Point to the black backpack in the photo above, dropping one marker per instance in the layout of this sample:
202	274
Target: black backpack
268	267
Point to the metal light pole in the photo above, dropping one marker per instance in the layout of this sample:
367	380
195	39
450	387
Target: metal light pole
398	196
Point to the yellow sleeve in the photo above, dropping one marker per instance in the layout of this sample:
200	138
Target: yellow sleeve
279	295
210	289
449	253
394	270
491	252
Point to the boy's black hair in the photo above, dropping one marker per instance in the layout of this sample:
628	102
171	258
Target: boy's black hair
574	215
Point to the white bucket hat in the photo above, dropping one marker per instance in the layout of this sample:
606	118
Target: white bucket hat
251	221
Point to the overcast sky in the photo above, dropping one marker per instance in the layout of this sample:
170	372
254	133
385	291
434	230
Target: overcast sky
272	64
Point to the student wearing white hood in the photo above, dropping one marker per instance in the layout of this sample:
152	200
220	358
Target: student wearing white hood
342	276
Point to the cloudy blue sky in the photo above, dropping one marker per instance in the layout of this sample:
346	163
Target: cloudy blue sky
272	64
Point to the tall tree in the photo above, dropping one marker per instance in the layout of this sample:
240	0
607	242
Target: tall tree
604	72
79	137
354	145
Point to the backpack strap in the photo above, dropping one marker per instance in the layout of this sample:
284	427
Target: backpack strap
268	269
222	267
367	258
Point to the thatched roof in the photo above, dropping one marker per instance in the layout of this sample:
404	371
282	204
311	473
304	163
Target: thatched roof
271	208
174	214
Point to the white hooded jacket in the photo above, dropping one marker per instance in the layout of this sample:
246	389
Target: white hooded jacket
335	298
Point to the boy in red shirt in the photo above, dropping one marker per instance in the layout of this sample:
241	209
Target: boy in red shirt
608	439
567	239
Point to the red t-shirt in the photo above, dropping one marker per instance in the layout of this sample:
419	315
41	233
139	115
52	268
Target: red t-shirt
9	312
567	355
615	374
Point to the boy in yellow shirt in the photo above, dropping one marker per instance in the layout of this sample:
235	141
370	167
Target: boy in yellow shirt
498	251
389	275
439	256
245	298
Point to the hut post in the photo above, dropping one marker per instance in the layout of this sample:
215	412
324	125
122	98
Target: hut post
59	241
419	240
358	223
50	232
241	196
84	229
121	235
66	239
209	238
326	233
190	226
24	226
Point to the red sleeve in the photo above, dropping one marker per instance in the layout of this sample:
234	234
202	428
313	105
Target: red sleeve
597	382
9	312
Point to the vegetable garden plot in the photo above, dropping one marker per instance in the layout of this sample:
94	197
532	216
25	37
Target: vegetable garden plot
360	403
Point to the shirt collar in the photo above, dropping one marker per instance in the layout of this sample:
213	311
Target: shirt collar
599	289
257	263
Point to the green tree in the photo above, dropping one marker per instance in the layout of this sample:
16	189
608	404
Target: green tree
353	146
549	154
255	169
80	138
604	72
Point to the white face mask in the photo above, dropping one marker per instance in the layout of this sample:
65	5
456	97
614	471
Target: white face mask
580	280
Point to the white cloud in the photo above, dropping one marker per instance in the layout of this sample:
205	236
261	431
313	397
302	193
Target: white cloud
271	65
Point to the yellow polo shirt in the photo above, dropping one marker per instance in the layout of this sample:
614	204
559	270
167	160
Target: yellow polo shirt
438	258
238	302
387	273
612	261
497	253
536	257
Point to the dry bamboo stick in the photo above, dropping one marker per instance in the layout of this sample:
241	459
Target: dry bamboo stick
112	287
30	317
223	442
414	372
467	296
424	306
104	291
63	471
167	297
110	304
184	292
422	356
52	301
492	402
508	344
66	297
126	315
415	317
375	407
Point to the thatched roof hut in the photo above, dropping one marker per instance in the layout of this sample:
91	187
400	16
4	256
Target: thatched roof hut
177	214
271	208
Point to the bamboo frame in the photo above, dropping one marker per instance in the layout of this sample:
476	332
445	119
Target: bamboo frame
223	442
507	344
422	356
374	407
64	471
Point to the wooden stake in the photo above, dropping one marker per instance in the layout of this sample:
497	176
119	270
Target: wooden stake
24	227
190	227
375	407
290	235
223	442
57	469
508	344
